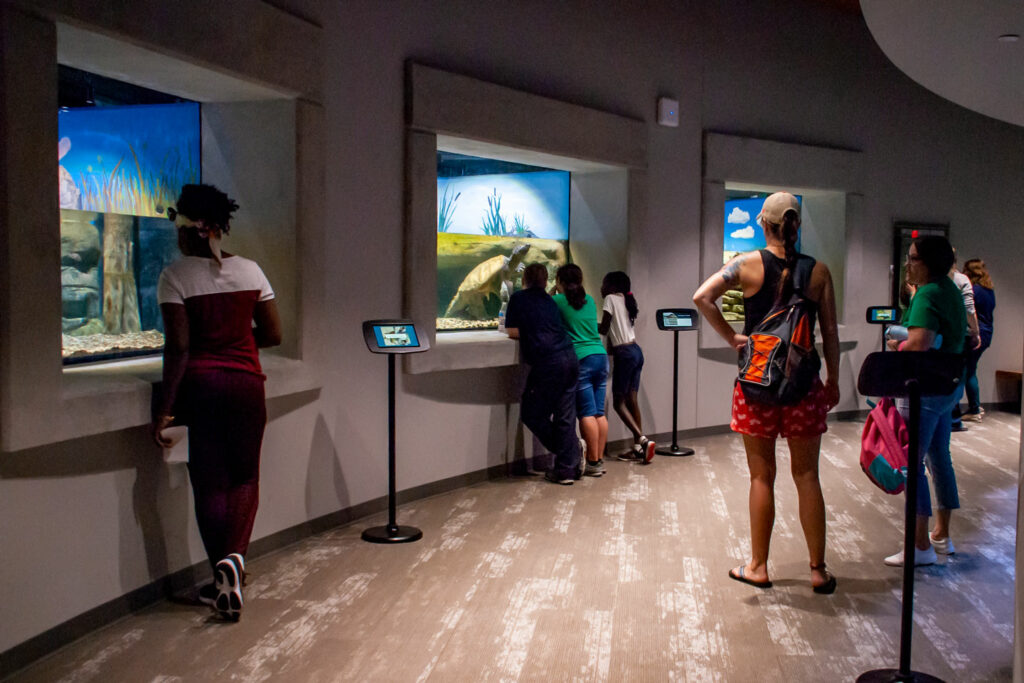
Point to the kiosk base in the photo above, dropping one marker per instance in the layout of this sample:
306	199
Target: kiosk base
674	449
392	534
889	675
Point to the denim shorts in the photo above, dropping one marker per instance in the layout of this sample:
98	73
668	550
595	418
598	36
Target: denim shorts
629	361
590	388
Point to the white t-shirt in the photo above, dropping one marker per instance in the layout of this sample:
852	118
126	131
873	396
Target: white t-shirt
966	289
621	330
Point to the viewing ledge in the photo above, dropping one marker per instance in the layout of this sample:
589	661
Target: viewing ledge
464	351
108	397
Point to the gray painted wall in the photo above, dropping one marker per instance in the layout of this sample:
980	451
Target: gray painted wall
107	507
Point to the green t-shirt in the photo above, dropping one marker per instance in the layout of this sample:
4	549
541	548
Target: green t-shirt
939	307
581	326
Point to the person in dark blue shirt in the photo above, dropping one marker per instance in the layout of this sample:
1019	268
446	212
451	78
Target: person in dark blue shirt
549	399
984	305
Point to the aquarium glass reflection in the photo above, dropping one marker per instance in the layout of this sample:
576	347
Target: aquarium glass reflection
119	169
493	219
742	234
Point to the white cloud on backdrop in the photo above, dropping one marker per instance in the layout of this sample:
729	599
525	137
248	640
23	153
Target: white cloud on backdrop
738	215
746	233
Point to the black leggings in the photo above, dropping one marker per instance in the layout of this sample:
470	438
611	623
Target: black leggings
226	412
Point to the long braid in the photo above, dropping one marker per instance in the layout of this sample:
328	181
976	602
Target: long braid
789	230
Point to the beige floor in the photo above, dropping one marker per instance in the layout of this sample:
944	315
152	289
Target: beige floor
621	578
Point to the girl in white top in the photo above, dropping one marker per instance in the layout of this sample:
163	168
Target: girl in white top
620	310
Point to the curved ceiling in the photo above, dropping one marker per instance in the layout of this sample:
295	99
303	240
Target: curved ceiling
952	47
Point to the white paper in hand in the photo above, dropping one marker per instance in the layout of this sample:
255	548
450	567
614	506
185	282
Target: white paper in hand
178	450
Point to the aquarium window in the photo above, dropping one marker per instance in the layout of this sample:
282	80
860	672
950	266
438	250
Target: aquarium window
493	218
123	156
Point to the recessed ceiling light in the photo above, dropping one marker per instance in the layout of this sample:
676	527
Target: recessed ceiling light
1009	38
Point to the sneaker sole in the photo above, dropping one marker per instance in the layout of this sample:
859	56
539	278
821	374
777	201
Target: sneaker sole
649	452
229	592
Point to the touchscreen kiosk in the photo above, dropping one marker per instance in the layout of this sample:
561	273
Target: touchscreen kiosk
677	319
883	315
393	336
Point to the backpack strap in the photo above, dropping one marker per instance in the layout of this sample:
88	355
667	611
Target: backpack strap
802	273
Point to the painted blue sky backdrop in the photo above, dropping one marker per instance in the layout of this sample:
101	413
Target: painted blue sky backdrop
742	233
541	198
157	144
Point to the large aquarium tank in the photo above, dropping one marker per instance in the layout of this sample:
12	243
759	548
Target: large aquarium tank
493	219
121	165
742	234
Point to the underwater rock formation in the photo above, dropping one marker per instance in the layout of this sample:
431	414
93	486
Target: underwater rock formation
120	293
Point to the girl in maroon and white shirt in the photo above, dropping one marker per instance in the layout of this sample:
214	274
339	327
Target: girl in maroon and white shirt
218	310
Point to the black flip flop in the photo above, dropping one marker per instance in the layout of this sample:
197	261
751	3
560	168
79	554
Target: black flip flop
738	576
827	588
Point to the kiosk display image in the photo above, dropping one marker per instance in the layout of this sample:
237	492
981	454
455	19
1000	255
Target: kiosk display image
395	335
671	319
742	234
493	218
119	167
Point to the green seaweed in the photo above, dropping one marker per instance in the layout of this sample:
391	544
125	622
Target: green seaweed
519	226
493	222
447	208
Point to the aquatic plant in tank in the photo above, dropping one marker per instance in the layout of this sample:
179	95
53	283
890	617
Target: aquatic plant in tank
494	218
742	234
119	167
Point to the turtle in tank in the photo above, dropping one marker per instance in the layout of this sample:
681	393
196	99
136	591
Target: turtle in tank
487	278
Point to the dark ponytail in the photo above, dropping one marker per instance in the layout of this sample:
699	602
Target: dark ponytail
617	282
571	278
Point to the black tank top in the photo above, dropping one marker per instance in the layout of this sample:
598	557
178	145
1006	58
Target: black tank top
757	307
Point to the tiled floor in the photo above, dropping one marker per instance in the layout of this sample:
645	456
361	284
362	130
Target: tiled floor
621	578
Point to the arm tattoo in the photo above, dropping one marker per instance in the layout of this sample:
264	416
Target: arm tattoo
731	272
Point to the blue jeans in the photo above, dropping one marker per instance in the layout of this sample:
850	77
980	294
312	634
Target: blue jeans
629	362
971	383
933	448
549	410
591	386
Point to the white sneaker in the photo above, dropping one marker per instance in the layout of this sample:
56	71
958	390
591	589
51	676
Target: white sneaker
921	558
583	456
943	546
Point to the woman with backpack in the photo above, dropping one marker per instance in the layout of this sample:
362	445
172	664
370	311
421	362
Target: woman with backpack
769	279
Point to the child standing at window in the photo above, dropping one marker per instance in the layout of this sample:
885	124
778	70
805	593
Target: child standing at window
620	311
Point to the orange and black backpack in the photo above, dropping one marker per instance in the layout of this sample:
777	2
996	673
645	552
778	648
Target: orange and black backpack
779	363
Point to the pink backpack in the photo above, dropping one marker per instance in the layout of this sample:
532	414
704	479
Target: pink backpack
883	447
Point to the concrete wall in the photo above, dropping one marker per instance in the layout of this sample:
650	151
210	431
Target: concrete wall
106	505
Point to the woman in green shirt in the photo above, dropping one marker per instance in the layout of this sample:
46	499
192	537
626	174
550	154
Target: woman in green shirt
579	313
936	309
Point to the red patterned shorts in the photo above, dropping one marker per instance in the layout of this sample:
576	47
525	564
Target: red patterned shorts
767	421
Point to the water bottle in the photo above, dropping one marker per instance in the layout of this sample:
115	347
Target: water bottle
501	316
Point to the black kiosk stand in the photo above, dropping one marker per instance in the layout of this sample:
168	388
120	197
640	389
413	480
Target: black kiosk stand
677	320
913	374
392	337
